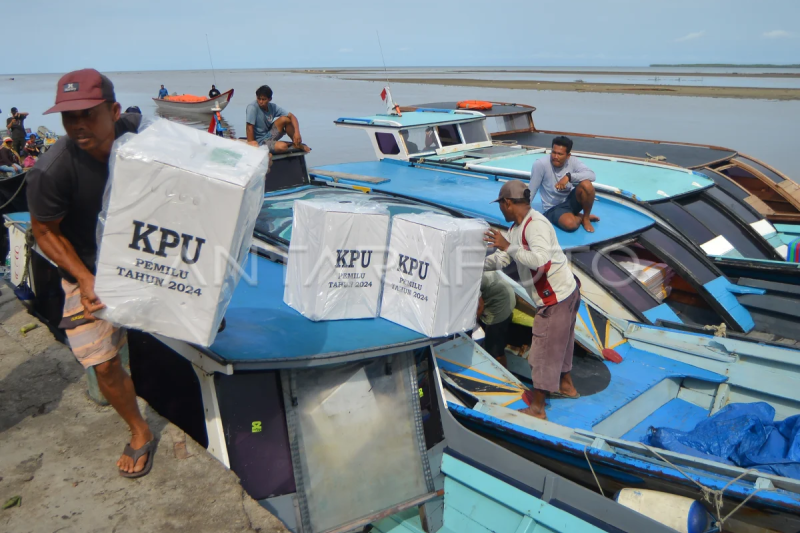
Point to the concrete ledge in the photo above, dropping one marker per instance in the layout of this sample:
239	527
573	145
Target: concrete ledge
58	452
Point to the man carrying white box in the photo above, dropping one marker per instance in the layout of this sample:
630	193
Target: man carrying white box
65	196
543	270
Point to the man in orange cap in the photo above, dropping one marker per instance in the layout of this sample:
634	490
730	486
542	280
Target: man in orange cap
65	196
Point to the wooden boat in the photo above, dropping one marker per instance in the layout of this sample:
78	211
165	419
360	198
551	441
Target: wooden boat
771	192
195	104
712	214
275	385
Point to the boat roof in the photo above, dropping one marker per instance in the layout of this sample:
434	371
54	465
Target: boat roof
472	195
498	108
262	331
689	156
648	182
427	117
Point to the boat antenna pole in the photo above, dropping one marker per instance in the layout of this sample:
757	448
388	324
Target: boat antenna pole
213	72
392	108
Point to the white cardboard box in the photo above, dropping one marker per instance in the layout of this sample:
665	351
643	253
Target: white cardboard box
336	259
176	226
433	273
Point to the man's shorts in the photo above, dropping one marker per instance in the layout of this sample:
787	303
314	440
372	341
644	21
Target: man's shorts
94	342
570	205
275	135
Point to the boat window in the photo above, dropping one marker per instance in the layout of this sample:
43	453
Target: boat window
286	172
474	132
721	224
448	134
733	205
683	221
726	184
654	270
275	220
387	143
617	280
668	248
420	140
508	123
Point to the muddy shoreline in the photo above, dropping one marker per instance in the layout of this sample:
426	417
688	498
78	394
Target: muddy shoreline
751	93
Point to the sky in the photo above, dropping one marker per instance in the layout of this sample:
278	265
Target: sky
128	35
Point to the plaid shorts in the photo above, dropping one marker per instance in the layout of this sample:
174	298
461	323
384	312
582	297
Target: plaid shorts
275	136
94	342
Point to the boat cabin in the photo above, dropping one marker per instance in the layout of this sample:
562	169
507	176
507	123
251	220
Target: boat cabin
423	132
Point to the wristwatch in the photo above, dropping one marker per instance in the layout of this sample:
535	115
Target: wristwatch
568	175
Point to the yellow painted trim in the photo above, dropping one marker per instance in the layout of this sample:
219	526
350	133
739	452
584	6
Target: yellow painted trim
478	371
476	380
361	188
511	402
620	343
592	332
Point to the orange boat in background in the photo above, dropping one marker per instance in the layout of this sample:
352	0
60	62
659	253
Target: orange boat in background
189	103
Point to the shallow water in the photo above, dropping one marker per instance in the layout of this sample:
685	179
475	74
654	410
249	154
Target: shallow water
761	128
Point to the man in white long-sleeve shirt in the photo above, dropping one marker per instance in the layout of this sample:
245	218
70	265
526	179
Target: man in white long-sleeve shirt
565	185
543	270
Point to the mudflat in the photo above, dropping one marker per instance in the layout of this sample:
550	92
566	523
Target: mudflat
750	93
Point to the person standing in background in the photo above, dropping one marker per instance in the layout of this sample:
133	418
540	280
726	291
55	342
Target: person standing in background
163	93
214	92
17	130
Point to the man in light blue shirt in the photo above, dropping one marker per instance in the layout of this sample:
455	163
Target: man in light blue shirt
268	122
565	186
163	93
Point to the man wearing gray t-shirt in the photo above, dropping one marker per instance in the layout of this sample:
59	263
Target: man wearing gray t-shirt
268	122
565	185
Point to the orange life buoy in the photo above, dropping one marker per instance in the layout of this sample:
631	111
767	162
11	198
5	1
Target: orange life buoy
477	105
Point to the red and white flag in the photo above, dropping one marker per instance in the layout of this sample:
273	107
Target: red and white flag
383	94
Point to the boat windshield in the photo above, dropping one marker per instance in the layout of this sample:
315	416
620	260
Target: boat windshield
275	221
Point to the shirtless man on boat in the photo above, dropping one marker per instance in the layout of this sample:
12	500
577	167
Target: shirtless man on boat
268	122
565	184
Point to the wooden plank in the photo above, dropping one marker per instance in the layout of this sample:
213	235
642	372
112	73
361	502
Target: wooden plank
680	459
629	415
347	176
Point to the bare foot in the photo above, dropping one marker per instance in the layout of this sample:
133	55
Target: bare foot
566	386
587	225
304	147
138	440
536	413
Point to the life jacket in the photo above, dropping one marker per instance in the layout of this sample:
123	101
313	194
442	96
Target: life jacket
477	105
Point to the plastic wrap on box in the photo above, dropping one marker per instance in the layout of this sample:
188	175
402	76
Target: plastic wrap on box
433	273
175	230
336	259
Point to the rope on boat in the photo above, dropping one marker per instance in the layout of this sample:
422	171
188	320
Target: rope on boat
712	496
585	454
13	196
655	157
719	331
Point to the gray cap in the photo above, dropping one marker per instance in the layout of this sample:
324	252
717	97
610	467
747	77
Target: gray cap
513	190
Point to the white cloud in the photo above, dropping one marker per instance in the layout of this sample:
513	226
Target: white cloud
345	50
777	34
691	36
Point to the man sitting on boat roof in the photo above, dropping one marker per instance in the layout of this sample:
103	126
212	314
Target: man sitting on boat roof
268	122
545	273
565	185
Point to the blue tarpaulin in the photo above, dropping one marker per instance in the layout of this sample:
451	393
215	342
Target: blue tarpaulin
741	434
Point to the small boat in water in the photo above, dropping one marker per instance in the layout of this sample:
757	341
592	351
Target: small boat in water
188	103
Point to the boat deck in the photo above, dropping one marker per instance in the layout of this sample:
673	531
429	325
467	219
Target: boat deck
647	182
605	387
257	312
676	154
472	196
